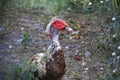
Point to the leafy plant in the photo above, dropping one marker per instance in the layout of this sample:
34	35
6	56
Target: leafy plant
26	39
23	71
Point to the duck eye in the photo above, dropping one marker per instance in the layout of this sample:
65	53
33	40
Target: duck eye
64	28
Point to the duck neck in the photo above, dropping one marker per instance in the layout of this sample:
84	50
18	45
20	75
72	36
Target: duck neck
55	45
55	36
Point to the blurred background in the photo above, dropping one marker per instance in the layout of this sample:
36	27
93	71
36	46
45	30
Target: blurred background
93	54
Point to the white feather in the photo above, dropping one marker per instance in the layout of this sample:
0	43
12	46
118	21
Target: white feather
47	31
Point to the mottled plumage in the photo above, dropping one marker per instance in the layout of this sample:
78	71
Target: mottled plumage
51	65
39	61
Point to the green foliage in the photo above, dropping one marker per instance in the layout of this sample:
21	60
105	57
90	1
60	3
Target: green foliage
21	72
56	6
26	39
3	3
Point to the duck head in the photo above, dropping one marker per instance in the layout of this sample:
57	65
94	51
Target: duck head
56	26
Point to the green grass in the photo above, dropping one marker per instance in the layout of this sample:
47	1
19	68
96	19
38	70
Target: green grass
56	6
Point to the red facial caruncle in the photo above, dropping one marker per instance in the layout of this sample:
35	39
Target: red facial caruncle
59	24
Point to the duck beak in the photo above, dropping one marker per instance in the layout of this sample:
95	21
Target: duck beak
68	29
71	31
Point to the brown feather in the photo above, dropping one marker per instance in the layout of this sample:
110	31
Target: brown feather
56	68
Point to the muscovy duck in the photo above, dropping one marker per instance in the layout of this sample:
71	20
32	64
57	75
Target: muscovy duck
54	67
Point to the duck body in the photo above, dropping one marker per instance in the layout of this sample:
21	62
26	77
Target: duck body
54	67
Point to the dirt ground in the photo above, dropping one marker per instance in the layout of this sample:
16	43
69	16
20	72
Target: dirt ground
83	62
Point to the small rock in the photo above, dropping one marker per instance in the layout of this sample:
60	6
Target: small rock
113	19
90	3
87	54
119	47
101	2
114	71
84	63
19	40
86	69
118	57
22	28
113	54
114	35
70	38
76	51
10	46
101	68
67	47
